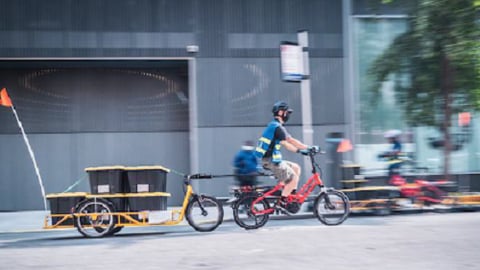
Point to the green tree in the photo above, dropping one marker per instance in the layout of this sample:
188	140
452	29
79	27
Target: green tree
435	65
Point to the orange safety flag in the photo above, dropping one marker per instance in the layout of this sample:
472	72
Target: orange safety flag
344	146
464	119
5	99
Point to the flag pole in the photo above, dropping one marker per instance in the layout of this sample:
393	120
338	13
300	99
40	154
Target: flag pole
32	156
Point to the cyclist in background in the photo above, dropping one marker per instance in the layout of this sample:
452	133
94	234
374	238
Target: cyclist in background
273	138
395	152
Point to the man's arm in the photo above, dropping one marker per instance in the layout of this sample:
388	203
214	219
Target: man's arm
292	144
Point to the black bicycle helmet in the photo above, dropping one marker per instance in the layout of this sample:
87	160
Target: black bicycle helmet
280	106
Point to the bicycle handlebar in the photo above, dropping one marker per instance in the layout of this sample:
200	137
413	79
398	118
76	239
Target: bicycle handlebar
311	151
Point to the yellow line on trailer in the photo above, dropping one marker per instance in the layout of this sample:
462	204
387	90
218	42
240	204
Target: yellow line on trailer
128	195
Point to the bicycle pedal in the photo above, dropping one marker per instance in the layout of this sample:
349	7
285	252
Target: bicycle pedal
280	209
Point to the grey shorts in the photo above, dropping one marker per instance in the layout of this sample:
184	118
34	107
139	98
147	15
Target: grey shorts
283	171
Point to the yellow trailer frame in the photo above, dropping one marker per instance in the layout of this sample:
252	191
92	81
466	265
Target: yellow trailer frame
192	203
130	221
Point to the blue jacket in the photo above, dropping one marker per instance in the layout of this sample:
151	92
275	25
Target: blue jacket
245	162
266	140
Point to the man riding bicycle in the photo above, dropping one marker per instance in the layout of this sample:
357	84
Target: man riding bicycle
394	155
268	149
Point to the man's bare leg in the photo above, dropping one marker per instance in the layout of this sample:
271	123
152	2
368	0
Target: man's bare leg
288	188
293	184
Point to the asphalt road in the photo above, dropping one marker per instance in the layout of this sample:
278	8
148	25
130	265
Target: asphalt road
415	241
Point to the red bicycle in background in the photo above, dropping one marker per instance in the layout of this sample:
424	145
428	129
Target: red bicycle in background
423	191
331	207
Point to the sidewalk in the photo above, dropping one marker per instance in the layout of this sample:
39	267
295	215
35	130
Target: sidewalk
22	221
31	221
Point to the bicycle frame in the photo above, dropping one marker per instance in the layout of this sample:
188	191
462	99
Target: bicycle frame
189	195
300	196
417	190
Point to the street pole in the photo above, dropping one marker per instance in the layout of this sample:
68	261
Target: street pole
307	129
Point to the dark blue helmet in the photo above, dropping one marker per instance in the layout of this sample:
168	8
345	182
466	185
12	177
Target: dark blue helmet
281	106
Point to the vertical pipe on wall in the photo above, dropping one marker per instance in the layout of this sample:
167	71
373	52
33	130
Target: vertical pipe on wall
193	115
348	69
307	128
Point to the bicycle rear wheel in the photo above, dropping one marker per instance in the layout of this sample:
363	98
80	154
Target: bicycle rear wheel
204	213
243	216
331	207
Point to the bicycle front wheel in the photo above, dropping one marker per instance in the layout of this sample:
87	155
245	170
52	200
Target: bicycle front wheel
331	207
204	213
243	216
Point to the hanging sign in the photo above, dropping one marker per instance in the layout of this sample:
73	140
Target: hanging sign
291	60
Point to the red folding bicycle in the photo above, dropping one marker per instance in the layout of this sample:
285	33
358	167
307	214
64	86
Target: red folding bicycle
330	206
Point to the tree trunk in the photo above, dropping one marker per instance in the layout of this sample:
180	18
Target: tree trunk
447	89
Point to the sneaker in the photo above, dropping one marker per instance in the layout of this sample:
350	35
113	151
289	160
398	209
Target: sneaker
277	193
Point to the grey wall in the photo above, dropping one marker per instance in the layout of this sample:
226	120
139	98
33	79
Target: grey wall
241	91
62	159
163	28
81	114
96	96
237	80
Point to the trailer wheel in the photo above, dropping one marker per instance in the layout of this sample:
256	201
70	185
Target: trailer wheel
94	218
115	230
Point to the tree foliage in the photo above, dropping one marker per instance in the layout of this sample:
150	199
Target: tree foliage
440	30
435	64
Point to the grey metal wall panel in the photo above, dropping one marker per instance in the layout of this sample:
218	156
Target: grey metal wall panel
93	15
282	16
122	28
62	159
97	99
327	91
241	92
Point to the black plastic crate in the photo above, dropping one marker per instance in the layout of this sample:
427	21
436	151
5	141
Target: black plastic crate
147	203
147	179
448	187
370	194
64	203
119	204
349	172
107	180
